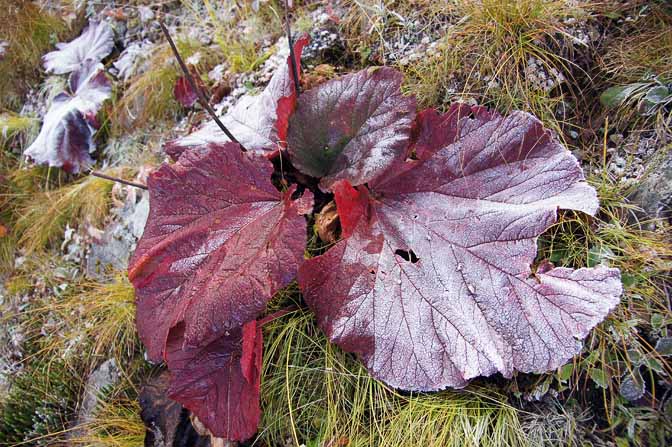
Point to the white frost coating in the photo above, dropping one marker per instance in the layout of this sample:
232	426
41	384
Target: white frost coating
3	48
133	60
469	305
95	42
66	137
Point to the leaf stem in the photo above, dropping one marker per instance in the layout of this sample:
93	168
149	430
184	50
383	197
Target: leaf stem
290	42
201	97
118	180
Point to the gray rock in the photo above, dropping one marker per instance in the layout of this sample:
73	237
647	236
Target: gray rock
114	249
103	377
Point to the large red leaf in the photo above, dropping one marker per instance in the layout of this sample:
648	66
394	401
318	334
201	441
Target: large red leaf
66	137
432	284
352	127
220	240
220	382
259	122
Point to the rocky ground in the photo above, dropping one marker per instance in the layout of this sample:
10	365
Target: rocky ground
72	370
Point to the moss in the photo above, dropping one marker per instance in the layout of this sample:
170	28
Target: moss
40	402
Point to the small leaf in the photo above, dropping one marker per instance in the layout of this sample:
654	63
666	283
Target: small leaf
600	377
635	357
616	96
352	127
184	94
566	372
657	95
66	137
95	42
657	321
628	280
654	365
632	387
664	346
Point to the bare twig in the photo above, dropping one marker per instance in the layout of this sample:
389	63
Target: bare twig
201	97
118	180
290	42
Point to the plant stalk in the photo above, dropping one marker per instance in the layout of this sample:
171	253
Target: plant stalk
201	97
118	180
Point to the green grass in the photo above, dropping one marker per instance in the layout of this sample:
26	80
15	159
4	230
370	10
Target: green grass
485	56
315	394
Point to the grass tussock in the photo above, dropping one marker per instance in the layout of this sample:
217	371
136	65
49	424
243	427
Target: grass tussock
316	395
116	423
30	32
149	97
43	215
637	70
506	55
644	49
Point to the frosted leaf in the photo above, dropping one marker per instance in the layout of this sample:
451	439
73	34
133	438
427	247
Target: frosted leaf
432	284
66	137
94	44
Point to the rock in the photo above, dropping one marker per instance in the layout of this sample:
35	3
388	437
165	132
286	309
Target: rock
103	377
114	249
654	193
167	422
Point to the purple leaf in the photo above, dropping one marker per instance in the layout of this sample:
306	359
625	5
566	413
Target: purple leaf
66	137
184	94
352	127
220	382
259	123
220	240
95	42
432	284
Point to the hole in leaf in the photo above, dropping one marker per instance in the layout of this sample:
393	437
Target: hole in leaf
407	255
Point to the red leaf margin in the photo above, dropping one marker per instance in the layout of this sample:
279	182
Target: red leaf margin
245	117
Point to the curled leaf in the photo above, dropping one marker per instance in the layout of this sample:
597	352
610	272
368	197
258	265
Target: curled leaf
220	240
432	284
352	127
66	137
259	122
95	42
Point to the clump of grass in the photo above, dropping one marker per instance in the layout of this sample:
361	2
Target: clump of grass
150	98
637	64
116	423
40	403
13	126
42	216
644	49
30	32
506	55
238	29
101	317
315	394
